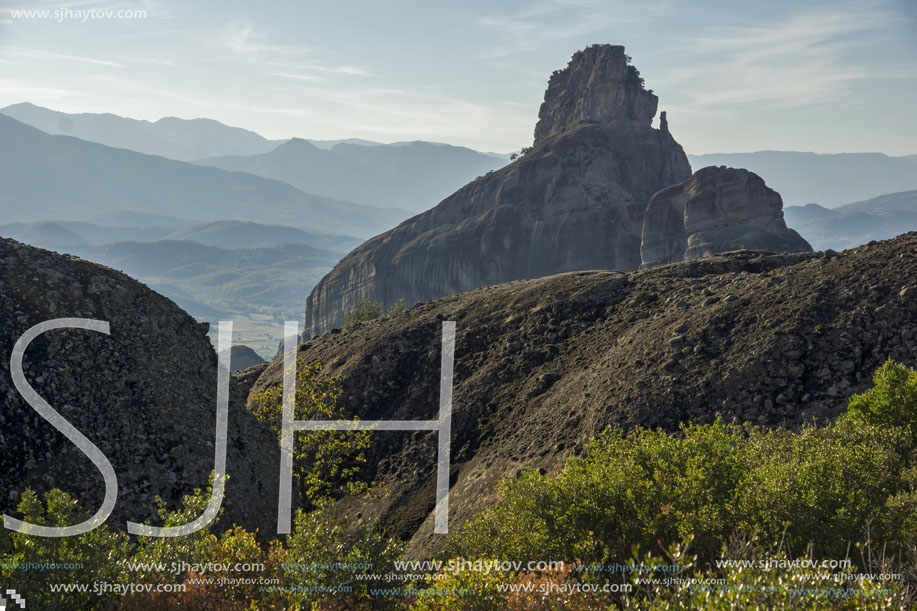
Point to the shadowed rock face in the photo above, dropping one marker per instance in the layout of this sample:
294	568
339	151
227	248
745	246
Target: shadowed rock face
575	202
145	395
717	210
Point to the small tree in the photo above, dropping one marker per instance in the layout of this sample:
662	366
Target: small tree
892	401
398	308
367	309
325	463
370	309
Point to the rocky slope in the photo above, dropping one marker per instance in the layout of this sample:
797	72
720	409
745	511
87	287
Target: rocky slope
543	365
716	210
145	395
576	201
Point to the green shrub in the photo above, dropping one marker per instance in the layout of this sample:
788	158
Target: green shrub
95	555
708	493
367	309
790	582
325	463
321	539
892	401
827	487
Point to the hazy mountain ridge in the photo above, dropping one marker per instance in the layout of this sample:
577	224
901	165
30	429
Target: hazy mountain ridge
400	174
181	139
223	234
411	175
91	179
853	224
226	270
54	235
257	288
240	234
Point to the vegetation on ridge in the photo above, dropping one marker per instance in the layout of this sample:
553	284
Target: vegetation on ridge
696	511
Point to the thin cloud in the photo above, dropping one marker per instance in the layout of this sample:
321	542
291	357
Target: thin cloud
31	92
808	58
297	77
253	45
531	28
246	39
70	58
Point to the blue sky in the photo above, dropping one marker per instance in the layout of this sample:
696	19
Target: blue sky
734	76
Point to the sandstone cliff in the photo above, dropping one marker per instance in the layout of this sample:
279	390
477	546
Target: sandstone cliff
716	210
575	202
543	365
145	395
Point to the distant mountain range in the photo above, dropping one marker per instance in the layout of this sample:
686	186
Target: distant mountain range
60	235
414	175
228	223
181	139
57	235
46	177
826	180
236	234
879	218
410	175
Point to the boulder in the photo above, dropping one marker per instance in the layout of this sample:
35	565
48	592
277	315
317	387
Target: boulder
717	210
145	395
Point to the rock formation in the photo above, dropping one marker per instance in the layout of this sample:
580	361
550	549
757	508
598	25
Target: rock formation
598	86
716	210
543	365
145	395
574	202
244	357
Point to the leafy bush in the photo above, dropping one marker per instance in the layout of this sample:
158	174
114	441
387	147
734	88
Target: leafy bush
325	552
892	401
708	493
325	463
740	583
367	309
825	487
94	553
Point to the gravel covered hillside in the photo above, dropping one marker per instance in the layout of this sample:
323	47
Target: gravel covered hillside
145	395
542	365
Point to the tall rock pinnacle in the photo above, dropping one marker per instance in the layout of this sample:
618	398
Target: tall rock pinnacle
597	86
574	202
580	199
